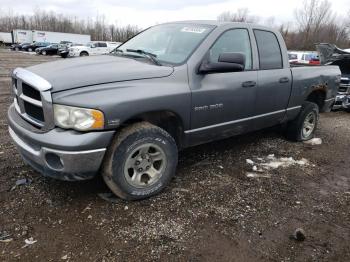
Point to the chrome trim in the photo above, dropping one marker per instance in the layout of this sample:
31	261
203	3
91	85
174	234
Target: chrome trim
77	152
240	120
293	108
17	106
46	100
329	100
21	75
31	100
32	79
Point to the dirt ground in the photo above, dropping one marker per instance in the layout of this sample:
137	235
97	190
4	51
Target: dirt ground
212	211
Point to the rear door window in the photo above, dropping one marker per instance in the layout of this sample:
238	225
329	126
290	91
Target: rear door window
270	55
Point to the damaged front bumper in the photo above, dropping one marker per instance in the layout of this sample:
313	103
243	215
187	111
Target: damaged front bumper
342	100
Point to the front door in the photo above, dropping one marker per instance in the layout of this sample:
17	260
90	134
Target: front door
222	103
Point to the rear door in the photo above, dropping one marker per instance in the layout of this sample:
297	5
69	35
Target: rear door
274	80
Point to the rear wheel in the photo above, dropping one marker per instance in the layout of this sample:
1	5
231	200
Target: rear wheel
303	127
140	162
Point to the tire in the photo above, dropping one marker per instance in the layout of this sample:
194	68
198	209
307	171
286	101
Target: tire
303	127
43	53
131	161
84	54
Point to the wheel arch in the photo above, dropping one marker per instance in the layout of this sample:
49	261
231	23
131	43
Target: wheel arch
165	119
317	96
84	52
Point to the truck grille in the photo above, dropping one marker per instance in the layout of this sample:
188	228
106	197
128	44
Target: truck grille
33	98
344	86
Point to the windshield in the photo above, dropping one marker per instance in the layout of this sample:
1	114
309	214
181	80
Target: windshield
171	43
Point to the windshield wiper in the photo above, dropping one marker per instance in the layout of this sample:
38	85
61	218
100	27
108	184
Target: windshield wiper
116	50
149	55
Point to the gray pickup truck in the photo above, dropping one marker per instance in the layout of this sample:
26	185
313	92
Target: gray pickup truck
127	114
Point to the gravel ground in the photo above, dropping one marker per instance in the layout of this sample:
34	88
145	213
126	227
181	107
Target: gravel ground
214	209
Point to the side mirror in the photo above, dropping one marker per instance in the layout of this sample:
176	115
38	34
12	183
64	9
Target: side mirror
227	62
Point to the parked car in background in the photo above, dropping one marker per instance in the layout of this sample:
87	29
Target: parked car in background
93	48
63	49
332	55
303	57
18	47
127	114
293	58
32	47
315	61
65	43
48	50
25	46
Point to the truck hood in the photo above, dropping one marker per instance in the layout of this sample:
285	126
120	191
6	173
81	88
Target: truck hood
85	71
330	53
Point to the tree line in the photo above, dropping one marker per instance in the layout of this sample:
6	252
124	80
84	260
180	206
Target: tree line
314	22
97	27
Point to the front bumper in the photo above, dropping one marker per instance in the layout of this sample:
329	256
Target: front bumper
61	154
342	101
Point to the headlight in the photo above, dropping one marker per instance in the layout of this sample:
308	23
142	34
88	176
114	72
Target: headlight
81	119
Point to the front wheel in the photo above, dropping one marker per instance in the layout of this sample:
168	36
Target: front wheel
303	127
140	162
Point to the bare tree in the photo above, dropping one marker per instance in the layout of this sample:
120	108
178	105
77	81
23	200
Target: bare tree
311	18
241	15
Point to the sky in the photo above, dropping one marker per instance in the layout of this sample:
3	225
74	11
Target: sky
144	13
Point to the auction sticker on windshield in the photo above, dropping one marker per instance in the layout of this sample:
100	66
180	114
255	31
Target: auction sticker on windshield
196	30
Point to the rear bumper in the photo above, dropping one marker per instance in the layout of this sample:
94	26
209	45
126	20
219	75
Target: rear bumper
61	154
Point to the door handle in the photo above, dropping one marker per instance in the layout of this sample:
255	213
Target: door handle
284	80
249	84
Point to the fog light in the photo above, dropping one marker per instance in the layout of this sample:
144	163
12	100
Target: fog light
54	161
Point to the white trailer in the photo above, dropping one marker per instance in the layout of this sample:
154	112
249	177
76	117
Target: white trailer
5	38
22	36
56	37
